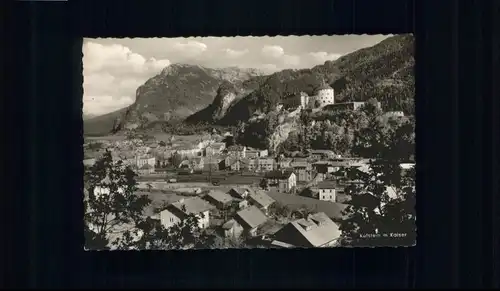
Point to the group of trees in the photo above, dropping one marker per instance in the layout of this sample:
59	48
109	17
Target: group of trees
176	159
333	130
116	220
383	203
283	212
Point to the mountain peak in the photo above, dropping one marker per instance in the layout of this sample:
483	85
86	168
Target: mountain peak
177	67
178	91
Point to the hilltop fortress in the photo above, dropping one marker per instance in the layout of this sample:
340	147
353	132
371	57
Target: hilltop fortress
324	97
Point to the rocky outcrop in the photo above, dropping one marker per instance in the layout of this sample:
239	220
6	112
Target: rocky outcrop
226	94
287	123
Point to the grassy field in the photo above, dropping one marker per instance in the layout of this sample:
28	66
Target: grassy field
331	209
243	180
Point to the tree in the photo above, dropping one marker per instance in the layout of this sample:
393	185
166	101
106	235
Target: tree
279	210
122	210
370	108
374	210
183	235
386	139
264	184
119	207
234	242
176	159
302	212
305	118
384	202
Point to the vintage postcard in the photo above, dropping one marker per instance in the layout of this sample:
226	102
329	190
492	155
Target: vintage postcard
249	142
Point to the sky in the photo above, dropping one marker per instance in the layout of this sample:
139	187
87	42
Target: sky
114	68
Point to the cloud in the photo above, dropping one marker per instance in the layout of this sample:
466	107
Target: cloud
273	51
98	105
116	67
291	60
278	55
234	54
322	57
188	49
112	74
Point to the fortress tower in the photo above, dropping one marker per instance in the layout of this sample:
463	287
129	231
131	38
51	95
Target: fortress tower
324	95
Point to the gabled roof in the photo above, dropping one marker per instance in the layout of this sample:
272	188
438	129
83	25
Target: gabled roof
229	224
239	191
251	217
280	175
315	231
192	205
219	196
328	184
261	198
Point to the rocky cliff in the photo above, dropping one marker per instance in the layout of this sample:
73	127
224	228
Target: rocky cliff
226	96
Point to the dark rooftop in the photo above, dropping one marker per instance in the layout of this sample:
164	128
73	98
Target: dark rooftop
327	184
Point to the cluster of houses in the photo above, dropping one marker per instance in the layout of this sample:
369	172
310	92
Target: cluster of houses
288	175
142	164
146	156
242	212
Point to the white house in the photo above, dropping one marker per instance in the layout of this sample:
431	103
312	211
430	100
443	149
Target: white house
168	219
179	210
215	148
286	180
327	191
304	100
141	161
187	150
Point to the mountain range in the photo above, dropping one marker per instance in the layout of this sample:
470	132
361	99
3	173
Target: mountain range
195	94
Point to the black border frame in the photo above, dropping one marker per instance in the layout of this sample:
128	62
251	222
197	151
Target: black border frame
456	55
